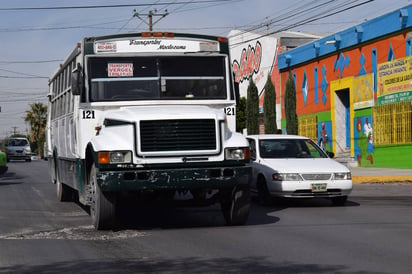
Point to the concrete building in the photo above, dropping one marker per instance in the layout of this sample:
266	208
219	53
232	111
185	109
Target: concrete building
354	90
254	55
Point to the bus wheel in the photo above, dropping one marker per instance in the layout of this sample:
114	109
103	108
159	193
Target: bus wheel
64	192
103	204
236	205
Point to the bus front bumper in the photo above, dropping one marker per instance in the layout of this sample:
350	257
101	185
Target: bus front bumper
181	178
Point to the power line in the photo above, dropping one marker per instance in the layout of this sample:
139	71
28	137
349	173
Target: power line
23	77
90	26
320	15
297	12
22	73
110	6
31	62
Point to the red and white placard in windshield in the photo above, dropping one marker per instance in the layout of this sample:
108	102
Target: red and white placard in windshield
154	45
119	70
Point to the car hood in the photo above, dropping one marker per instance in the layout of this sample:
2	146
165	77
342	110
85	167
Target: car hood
304	165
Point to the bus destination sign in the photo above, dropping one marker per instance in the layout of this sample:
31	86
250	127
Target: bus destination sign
152	45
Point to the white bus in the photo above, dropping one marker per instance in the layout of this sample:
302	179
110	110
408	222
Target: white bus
147	113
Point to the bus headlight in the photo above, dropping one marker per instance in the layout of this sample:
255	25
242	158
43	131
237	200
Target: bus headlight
242	153
114	157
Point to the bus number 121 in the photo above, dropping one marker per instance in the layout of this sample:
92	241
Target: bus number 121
229	111
88	114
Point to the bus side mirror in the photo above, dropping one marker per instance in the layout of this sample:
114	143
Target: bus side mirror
77	80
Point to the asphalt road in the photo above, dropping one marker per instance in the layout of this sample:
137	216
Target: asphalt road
371	234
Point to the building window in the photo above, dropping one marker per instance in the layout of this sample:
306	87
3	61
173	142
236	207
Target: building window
392	124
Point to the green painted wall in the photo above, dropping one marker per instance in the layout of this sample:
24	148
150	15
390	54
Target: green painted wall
393	156
363	112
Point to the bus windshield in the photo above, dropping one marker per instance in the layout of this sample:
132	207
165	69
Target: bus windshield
157	78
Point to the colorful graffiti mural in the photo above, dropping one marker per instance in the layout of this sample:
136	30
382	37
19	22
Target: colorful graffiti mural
363	136
324	131
352	70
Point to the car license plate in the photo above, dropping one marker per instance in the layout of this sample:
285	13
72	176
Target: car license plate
319	187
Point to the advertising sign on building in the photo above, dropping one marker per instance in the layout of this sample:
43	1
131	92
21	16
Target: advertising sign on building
363	91
254	57
395	81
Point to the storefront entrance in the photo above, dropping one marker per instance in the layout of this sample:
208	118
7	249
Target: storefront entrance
342	114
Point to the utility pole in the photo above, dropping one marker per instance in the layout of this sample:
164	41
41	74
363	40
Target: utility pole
150	16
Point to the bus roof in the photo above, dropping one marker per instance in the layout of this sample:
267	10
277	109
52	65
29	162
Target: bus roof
151	42
88	46
156	35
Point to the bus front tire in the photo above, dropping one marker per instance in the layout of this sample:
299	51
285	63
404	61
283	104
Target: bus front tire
235	206
64	192
103	204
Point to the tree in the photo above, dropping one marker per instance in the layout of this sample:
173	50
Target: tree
36	117
269	107
241	115
290	106
252	108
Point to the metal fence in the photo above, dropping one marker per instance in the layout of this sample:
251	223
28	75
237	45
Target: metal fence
392	124
308	127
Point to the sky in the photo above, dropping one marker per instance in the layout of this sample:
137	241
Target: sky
37	35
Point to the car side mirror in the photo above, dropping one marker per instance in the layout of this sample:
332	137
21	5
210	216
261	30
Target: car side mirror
330	154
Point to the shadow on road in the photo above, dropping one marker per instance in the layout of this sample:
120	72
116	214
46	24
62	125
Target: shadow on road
283	203
183	265
132	215
164	216
10	178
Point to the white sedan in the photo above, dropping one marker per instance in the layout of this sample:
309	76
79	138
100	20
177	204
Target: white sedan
295	167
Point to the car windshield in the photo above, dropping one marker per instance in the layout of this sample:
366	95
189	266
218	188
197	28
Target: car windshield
157	78
18	142
290	148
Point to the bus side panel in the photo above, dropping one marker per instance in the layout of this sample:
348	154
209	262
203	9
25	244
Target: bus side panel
68	172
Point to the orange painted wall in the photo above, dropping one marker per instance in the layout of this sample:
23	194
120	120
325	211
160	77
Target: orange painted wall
354	68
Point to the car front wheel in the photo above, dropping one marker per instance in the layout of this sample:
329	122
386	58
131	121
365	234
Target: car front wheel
263	192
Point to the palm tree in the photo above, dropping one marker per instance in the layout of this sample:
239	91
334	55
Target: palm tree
36	117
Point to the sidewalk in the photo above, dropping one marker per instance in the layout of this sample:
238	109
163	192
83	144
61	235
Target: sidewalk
380	175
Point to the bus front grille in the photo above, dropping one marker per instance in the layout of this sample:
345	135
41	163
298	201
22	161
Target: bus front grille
178	135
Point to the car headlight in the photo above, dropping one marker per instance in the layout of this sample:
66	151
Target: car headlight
27	150
242	153
286	177
114	157
342	176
